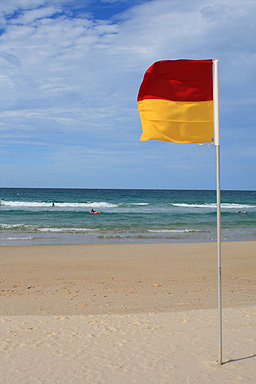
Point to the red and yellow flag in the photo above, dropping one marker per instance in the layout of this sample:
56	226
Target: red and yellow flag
175	101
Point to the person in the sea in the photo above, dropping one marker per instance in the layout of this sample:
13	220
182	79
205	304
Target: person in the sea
53	204
92	211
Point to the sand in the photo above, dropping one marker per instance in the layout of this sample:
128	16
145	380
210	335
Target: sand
130	313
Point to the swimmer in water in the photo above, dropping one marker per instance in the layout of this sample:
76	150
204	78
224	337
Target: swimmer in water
92	211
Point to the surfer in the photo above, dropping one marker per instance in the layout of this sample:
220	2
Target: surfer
239	211
92	211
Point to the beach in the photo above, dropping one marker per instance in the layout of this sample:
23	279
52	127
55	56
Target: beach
136	313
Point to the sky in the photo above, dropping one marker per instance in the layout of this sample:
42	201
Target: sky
70	71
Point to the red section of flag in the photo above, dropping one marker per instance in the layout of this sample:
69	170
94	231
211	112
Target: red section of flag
178	80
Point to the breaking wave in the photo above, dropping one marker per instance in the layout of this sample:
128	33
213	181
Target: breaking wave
39	204
214	205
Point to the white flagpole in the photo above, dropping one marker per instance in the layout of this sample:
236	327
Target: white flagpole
217	145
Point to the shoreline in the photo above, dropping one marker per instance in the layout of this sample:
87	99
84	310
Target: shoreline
34	242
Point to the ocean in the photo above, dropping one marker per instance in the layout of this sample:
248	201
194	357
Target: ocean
28	217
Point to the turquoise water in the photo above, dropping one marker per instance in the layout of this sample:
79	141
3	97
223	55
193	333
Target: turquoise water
27	216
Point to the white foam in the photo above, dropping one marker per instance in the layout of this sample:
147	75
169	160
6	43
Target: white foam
46	229
214	205
13	226
17	238
139	203
25	204
67	230
38	204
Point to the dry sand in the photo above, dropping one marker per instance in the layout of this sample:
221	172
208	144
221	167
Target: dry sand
126	313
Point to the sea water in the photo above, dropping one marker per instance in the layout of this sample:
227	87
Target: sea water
28	216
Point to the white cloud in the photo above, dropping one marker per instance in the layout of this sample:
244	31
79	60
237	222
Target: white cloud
65	72
13	5
66	57
34	15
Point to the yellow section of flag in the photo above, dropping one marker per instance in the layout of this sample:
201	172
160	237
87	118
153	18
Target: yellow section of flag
175	121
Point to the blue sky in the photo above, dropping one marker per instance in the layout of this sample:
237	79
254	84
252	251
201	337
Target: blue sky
70	73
